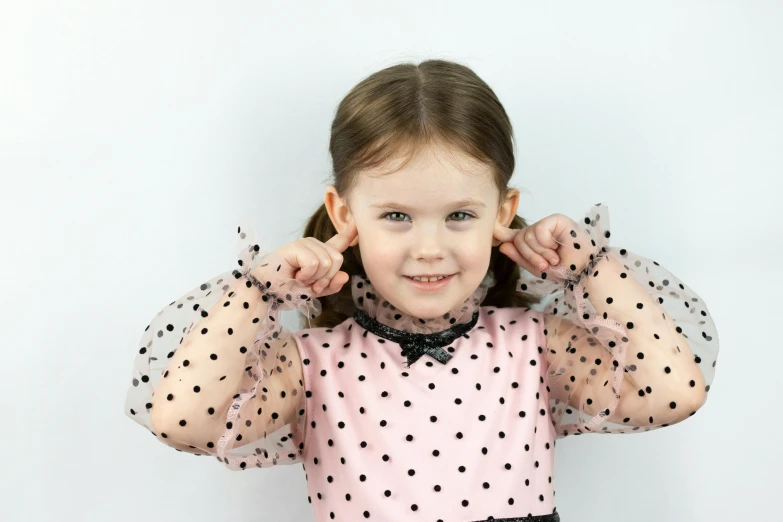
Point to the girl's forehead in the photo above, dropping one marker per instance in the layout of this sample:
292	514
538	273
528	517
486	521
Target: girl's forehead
424	189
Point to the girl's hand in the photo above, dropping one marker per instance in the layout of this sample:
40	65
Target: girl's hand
538	246
314	263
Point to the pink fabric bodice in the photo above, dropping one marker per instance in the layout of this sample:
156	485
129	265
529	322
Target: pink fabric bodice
467	439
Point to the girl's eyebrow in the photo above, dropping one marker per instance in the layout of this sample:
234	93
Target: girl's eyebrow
455	204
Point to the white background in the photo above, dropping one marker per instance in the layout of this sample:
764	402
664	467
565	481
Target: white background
135	135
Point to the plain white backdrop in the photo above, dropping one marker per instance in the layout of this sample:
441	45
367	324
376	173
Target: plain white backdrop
134	136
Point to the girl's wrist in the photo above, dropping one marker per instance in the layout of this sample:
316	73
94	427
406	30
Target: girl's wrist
578	251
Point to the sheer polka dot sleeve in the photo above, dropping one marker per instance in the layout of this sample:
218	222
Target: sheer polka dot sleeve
629	346
217	374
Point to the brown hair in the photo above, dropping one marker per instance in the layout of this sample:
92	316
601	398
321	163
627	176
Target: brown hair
398	111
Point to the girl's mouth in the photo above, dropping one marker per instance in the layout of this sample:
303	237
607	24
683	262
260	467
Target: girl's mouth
436	285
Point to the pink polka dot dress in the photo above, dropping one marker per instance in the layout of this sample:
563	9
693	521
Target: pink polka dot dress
394	417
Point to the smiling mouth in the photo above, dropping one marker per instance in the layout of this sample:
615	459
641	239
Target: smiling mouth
430	286
430	279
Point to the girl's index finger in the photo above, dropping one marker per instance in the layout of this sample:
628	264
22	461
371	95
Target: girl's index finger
504	234
343	239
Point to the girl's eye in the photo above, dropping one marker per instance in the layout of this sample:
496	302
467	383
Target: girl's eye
467	214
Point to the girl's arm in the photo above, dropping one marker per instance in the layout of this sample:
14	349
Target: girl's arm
217	374
629	347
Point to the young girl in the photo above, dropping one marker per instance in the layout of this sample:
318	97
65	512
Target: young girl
435	385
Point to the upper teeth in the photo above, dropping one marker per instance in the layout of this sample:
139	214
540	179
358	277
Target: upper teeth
428	279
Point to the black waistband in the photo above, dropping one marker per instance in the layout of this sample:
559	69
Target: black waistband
554	517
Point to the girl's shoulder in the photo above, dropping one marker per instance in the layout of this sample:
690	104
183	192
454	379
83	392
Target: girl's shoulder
511	321
512	313
320	331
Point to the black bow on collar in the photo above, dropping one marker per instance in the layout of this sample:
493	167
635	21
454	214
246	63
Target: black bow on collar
415	345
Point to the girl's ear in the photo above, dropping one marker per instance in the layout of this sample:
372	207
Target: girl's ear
339	212
508	209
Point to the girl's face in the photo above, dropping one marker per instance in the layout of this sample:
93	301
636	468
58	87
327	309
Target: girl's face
435	216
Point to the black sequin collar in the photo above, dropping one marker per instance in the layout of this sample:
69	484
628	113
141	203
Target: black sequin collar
416	345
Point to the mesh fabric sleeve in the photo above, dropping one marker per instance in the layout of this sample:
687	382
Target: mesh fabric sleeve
216	372
629	346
